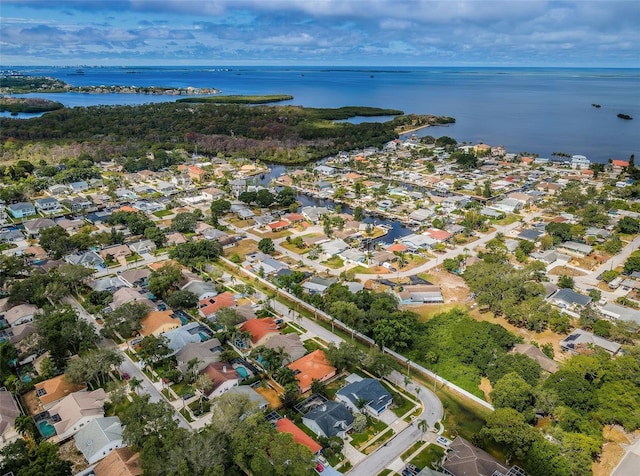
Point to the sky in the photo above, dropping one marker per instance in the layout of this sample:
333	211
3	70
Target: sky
602	33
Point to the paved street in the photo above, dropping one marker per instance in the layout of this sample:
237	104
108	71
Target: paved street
385	455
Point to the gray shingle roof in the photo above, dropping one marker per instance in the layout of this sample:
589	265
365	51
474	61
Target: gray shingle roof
331	417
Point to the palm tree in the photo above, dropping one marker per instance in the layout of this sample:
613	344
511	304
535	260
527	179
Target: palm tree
135	384
25	425
423	425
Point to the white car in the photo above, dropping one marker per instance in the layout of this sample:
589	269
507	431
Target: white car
443	441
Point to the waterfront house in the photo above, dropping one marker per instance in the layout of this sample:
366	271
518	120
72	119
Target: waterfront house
21	210
313	366
99	437
367	391
329	419
76	410
314	214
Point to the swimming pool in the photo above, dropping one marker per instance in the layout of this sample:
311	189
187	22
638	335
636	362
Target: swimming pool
203	336
46	429
242	371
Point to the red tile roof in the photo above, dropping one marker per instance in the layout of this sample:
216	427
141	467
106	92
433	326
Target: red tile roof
277	225
210	306
399	247
313	366
620	163
285	425
259	328
439	235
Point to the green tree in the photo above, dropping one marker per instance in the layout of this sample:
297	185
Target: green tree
343	356
125	320
266	246
165	279
184	222
247	197
378	362
512	391
628	226
182	299
546	458
23	459
63	333
56	241
8	359
507	427
358	214
632	263
153	350
144	420
219	208
93	366
264	198
565	281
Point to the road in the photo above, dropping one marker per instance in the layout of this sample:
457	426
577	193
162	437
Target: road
432	410
388	452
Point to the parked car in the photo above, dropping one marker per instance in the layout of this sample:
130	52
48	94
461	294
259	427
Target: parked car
443	441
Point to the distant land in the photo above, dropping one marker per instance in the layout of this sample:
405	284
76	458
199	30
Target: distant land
16	84
27	105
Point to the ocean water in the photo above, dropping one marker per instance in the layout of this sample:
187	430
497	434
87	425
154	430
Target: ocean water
536	110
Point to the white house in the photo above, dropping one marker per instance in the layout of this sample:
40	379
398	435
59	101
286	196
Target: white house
76	410
100	437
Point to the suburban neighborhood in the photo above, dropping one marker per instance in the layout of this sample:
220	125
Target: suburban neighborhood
389	309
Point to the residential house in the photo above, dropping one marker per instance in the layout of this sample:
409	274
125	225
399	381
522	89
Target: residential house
80	186
205	352
530	234
124	295
253	396
261	330
420	294
289	343
17	334
8	412
278	225
581	341
417	242
353	256
465	459
142	247
202	289
179	337
35	226
70	226
440	236
51	391
166	188
284	425
21	210
313	366
536	354
329	419
88	259
576	249
421	216
120	462
108	283
20	314
365	391
208	307
175	238
382	257
135	277
212	193
76	410
318	285
10	236
615	311
269	266
115	251
492	213
47	205
508	205
58	189
158	322
99	437
569	299
223	377
314	214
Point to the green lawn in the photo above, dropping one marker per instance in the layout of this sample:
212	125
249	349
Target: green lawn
163	213
358	439
334	262
311	345
431	455
290	330
182	388
412	450
185	413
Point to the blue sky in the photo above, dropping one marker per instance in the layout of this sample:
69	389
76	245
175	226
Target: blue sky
320	32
